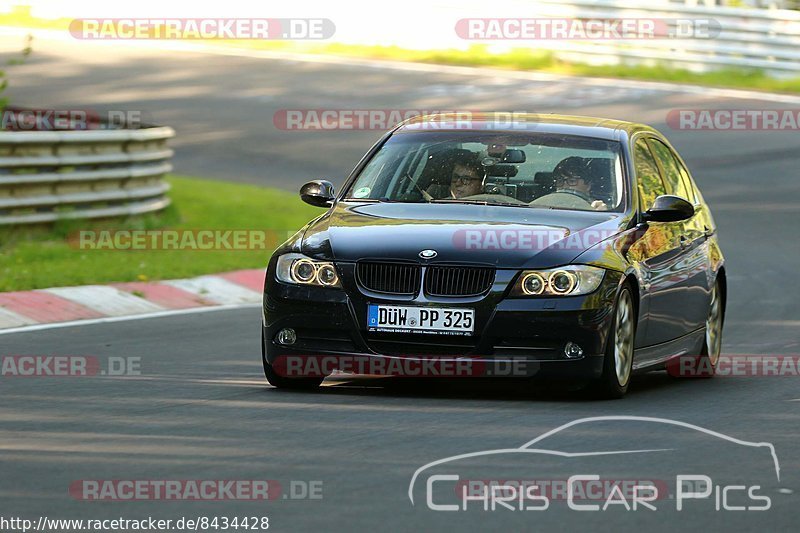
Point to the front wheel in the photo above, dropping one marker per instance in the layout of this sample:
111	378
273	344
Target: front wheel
618	361
712	344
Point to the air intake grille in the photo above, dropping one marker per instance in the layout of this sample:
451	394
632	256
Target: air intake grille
391	278
457	281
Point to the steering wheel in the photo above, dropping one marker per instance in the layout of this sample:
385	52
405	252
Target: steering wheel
566	196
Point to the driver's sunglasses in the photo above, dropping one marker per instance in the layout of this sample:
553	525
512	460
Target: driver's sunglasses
569	180
463	179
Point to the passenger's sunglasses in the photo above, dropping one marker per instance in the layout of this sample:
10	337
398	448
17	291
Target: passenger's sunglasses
463	179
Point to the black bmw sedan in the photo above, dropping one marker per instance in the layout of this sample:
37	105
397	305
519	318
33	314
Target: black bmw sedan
557	247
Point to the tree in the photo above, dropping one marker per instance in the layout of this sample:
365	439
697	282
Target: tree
14	61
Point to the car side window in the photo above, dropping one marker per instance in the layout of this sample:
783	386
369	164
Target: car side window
647	175
673	180
696	197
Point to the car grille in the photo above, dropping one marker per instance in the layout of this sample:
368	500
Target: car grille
458	281
404	279
392	278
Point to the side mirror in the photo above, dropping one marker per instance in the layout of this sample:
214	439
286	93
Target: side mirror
319	193
669	208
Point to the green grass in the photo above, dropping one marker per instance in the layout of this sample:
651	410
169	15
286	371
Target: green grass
34	258
544	61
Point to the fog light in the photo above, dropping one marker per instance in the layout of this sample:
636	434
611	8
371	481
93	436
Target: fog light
572	350
286	336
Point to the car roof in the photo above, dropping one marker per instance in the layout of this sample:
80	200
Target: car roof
508	122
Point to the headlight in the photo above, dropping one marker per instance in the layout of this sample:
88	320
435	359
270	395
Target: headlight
564	281
301	270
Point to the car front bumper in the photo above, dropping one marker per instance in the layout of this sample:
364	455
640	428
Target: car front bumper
517	337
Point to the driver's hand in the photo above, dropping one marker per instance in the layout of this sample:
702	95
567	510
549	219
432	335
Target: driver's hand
599	205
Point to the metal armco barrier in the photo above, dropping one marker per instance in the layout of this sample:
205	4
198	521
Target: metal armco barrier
51	175
767	39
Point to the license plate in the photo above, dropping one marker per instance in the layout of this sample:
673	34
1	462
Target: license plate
440	320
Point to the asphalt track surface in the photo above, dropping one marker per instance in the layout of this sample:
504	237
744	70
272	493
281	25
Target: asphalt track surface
201	409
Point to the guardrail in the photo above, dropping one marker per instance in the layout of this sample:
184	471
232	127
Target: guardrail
766	39
50	175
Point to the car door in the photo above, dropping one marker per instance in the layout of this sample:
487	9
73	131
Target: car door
658	257
703	223
694	264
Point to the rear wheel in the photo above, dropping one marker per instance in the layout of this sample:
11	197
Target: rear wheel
282	382
618	362
704	365
712	346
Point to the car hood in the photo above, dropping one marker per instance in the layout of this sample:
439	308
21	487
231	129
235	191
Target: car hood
505	237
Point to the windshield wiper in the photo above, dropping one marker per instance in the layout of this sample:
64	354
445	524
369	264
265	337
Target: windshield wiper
383	200
476	202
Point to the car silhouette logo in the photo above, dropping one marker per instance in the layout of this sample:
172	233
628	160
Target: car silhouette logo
534	447
428	254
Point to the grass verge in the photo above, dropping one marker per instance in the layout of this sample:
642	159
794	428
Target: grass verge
529	59
40	257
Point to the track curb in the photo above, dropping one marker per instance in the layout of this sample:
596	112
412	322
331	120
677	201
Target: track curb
21	309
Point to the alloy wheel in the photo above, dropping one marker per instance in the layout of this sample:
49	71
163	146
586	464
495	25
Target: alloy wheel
714	326
623	338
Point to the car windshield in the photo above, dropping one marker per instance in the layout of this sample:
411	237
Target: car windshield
498	168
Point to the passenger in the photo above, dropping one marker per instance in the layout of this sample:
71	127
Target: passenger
570	178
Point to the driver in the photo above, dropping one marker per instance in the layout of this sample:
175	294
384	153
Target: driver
570	178
466	178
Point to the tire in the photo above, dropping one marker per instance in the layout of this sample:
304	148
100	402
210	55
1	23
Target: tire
618	360
712	343
282	382
703	365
